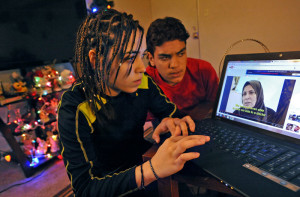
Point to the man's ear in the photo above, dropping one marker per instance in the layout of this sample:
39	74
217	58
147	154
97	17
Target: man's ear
92	57
151	59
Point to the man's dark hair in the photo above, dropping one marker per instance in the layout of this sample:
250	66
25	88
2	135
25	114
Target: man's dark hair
163	30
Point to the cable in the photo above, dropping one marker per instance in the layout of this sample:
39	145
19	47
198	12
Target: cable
23	182
240	41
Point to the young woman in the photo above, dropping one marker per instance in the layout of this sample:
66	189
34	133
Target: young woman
101	117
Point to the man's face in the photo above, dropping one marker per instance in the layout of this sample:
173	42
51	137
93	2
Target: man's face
170	60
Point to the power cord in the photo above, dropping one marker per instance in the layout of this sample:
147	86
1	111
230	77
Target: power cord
240	41
23	182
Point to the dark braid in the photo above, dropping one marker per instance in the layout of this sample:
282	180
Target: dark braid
108	33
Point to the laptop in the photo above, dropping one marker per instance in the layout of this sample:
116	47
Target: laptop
255	149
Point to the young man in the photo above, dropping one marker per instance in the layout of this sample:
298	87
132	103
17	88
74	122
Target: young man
190	83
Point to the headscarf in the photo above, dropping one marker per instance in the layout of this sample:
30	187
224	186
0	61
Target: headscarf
256	85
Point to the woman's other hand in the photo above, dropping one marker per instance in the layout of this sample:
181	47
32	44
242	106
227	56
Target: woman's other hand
176	126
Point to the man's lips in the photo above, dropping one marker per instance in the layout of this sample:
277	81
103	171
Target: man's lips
175	73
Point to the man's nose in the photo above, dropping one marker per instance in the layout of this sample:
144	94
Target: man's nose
174	62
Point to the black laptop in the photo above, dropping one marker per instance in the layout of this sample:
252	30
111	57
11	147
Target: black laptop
255	149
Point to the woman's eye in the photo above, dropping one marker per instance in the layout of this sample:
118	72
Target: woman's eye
128	59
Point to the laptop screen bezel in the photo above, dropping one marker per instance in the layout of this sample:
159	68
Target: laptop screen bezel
246	57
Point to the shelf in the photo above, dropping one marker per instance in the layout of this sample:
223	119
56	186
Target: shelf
10	100
28	164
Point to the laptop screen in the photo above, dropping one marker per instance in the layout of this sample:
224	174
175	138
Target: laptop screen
262	93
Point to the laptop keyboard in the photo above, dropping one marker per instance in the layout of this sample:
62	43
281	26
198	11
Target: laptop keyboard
276	160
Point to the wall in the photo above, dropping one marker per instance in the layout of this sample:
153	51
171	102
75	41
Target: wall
140	9
187	12
222	23
273	22
145	11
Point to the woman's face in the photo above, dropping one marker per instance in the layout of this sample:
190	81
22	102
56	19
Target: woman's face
249	96
125	82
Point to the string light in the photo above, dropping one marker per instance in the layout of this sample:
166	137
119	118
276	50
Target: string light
54	137
49	156
7	158
48	84
98	5
94	10
34	161
37	149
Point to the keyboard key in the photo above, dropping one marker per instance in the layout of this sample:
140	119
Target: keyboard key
243	151
255	163
280	160
291	173
274	159
259	157
296	181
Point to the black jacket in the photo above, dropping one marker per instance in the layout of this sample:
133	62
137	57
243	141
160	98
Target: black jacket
100	160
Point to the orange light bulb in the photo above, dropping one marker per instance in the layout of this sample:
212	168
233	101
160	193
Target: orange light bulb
7	158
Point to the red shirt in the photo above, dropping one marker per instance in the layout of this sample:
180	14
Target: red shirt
200	83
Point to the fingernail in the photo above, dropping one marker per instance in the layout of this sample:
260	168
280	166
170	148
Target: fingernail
201	141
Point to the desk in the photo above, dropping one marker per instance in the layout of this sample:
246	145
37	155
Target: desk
168	187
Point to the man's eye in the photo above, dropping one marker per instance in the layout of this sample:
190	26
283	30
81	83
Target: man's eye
164	58
181	54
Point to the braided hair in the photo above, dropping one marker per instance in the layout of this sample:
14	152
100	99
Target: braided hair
108	33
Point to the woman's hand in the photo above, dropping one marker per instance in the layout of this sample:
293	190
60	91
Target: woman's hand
175	125
171	156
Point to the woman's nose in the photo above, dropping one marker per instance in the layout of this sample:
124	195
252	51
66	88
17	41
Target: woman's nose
247	96
139	66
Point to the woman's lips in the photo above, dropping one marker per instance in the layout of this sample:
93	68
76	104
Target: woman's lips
247	103
138	82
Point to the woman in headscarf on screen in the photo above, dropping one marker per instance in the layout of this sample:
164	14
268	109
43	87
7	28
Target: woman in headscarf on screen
253	103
